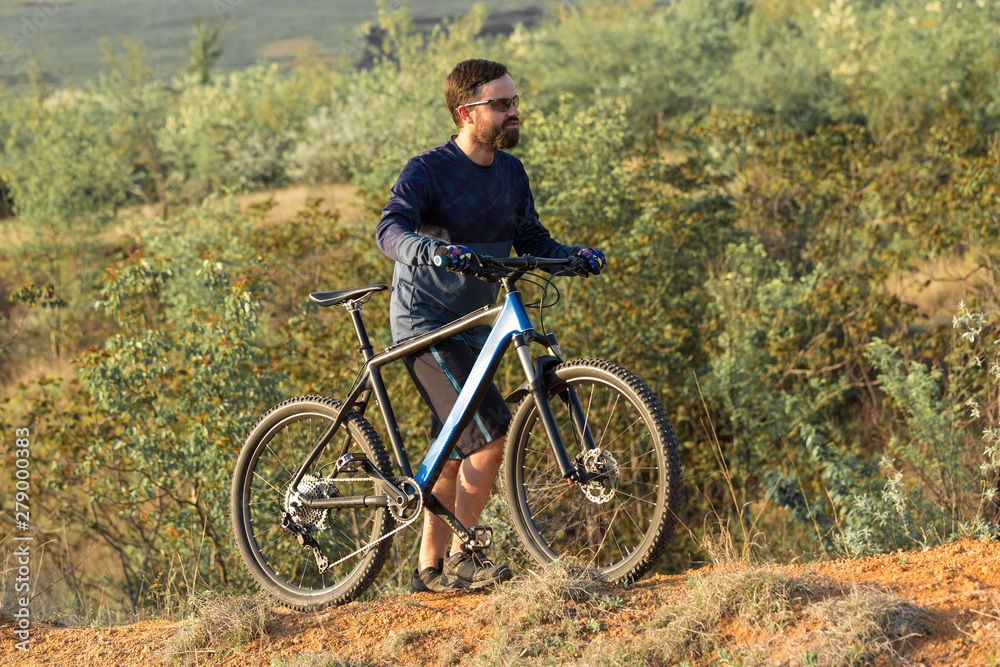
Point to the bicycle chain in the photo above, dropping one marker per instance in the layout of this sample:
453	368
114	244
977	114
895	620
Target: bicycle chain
324	564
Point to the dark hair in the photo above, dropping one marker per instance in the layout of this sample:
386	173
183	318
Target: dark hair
463	84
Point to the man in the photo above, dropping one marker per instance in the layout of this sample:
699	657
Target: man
464	198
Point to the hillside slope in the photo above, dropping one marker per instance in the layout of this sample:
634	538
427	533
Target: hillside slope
956	588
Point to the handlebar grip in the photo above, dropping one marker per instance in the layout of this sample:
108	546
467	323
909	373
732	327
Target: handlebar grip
441	260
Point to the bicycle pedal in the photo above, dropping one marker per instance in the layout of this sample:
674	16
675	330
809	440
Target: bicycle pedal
482	539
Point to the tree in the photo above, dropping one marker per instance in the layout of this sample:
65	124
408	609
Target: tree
204	49
139	102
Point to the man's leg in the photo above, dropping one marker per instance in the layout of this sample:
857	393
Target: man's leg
475	479
463	487
436	531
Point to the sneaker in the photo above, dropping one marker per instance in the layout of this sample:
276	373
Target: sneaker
428	580
472	571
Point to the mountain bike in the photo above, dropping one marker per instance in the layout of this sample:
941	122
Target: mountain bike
590	467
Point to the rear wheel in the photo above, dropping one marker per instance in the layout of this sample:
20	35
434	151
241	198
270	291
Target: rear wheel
283	559
618	523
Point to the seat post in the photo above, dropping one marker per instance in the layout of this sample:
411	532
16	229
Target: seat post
354	307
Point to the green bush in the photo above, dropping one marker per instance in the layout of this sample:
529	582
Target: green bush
377	118
235	131
182	382
934	480
763	177
761	379
900	64
64	165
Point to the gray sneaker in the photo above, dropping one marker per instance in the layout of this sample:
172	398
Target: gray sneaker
472	571
428	580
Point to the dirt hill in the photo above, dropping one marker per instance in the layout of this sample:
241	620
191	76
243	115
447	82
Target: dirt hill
952	594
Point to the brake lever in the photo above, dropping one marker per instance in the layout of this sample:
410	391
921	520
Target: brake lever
486	275
487	270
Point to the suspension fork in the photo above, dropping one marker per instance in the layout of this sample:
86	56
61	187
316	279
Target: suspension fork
578	416
539	391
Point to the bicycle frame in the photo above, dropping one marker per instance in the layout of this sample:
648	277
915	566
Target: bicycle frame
510	325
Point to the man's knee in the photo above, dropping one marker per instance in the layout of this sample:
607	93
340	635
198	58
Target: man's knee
495	448
450	470
489	454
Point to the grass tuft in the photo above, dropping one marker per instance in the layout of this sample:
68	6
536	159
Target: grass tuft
860	626
760	597
549	613
223	622
853	625
315	660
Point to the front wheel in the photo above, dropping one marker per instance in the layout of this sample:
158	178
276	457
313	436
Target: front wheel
282	543
620	520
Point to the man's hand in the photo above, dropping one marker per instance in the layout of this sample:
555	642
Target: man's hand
460	258
593	261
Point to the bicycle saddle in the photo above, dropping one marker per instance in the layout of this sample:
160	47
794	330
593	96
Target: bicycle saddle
340	297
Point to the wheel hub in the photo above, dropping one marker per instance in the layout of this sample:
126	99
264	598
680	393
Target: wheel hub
602	473
310	488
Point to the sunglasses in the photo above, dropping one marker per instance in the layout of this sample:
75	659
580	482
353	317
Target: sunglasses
497	103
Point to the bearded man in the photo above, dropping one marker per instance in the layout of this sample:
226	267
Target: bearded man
464	198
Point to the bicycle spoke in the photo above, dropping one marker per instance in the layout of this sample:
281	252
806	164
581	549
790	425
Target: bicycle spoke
625	430
636	498
272	553
271	486
608	531
607	424
608	519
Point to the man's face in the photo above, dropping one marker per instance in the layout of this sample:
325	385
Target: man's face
493	129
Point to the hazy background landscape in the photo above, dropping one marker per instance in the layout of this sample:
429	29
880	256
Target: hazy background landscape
799	203
63	36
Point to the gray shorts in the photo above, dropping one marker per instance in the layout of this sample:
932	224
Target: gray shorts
439	373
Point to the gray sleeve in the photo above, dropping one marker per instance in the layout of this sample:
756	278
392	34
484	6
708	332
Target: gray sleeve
396	233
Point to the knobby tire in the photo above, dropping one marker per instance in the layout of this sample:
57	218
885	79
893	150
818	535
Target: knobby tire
271	454
622	537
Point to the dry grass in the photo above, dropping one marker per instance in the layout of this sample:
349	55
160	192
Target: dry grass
693	626
937	287
289	201
859	625
740	613
549	613
316	660
757	613
223	622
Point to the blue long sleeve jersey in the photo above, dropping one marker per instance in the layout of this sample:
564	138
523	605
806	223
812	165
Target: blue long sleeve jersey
444	198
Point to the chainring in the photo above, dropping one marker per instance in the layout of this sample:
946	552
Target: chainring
409	486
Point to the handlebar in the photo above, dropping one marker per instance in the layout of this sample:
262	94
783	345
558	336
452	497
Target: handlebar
499	267
442	260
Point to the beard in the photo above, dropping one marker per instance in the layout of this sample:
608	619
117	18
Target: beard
500	137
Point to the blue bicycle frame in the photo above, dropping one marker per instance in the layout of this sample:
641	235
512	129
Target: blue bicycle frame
511	320
510	325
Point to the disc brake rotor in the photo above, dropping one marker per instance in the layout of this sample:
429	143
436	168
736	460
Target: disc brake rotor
603	468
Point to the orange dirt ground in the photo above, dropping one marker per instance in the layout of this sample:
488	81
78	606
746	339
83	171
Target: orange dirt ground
958	585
